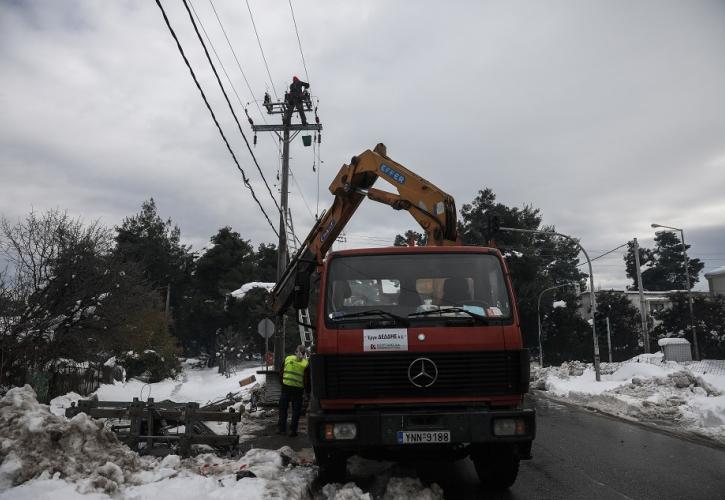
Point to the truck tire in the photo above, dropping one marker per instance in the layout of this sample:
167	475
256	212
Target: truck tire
496	466
332	465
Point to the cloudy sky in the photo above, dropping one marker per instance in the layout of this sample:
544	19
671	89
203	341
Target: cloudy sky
607	115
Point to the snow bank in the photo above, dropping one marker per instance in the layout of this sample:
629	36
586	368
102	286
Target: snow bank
260	474
647	389
58	405
245	288
33	441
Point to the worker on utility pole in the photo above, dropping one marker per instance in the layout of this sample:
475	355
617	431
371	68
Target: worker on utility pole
295	99
294	384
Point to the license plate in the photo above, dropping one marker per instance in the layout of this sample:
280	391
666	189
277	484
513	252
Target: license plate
423	437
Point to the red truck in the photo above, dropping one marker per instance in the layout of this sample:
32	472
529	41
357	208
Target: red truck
416	350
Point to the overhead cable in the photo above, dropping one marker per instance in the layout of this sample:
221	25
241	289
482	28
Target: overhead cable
213	116
299	43
251	16
231	109
244	76
216	54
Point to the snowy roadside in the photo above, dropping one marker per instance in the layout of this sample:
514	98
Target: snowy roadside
685	397
45	455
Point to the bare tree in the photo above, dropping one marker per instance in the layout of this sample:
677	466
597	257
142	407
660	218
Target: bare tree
64	294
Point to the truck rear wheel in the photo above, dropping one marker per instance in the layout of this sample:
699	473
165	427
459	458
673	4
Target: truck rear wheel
332	464
496	466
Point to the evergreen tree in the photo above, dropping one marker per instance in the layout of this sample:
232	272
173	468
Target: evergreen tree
228	264
155	246
663	268
536	262
401	240
709	313
265	263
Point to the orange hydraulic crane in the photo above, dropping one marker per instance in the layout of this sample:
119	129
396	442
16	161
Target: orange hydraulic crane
434	210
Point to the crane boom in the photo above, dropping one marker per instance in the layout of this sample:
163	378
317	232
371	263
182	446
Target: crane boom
431	207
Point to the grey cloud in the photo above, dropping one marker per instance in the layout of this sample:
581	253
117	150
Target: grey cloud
606	116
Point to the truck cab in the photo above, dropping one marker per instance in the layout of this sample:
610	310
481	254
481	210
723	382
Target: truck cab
418	353
416	350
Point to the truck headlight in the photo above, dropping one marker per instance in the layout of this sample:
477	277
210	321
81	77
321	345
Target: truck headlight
509	427
341	431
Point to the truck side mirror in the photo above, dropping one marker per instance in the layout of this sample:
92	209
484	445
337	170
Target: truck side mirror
301	294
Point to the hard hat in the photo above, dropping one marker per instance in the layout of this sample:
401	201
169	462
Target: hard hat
295	79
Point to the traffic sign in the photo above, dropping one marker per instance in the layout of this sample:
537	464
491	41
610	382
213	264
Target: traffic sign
265	328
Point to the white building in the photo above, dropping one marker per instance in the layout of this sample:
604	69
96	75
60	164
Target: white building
654	302
716	281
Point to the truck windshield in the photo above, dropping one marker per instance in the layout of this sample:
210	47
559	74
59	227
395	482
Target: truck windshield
425	287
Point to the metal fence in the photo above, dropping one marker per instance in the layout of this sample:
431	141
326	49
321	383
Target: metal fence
703	367
49	384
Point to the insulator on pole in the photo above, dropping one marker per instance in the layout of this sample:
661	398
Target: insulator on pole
319	138
255	139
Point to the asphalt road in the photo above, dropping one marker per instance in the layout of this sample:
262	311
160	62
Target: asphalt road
581	454
578	454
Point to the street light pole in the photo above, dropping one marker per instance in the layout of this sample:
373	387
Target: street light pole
538	316
592	297
689	288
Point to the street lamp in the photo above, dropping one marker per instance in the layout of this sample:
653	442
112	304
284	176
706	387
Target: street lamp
592	296
538	315
689	289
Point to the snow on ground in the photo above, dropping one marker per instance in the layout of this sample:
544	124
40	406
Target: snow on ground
681	396
245	288
44	455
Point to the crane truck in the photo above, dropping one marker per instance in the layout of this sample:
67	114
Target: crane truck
416	351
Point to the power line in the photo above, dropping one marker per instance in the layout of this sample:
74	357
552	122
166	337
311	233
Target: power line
244	76
251	16
208	39
605	253
299	43
302	195
213	116
231	109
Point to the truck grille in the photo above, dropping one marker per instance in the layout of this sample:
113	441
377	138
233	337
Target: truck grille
484	373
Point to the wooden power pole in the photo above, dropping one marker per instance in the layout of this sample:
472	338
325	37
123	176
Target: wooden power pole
286	132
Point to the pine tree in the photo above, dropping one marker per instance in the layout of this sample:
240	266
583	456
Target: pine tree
663	268
401	240
225	266
154	245
536	262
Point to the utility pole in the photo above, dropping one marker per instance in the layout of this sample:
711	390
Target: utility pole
642	312
285	132
609	339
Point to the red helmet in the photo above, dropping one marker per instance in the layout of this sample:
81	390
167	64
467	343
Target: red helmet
295	79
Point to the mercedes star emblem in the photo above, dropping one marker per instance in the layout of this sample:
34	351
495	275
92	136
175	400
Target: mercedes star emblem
422	372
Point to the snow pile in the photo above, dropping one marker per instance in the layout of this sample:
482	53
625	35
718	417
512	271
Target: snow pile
245	288
260	474
665	393
34	441
397	488
59	404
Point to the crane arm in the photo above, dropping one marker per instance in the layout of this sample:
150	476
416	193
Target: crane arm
432	208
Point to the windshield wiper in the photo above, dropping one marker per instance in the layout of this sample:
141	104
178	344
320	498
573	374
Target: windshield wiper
370	312
441	312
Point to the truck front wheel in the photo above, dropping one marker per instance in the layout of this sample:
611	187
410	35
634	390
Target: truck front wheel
332	464
496	465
